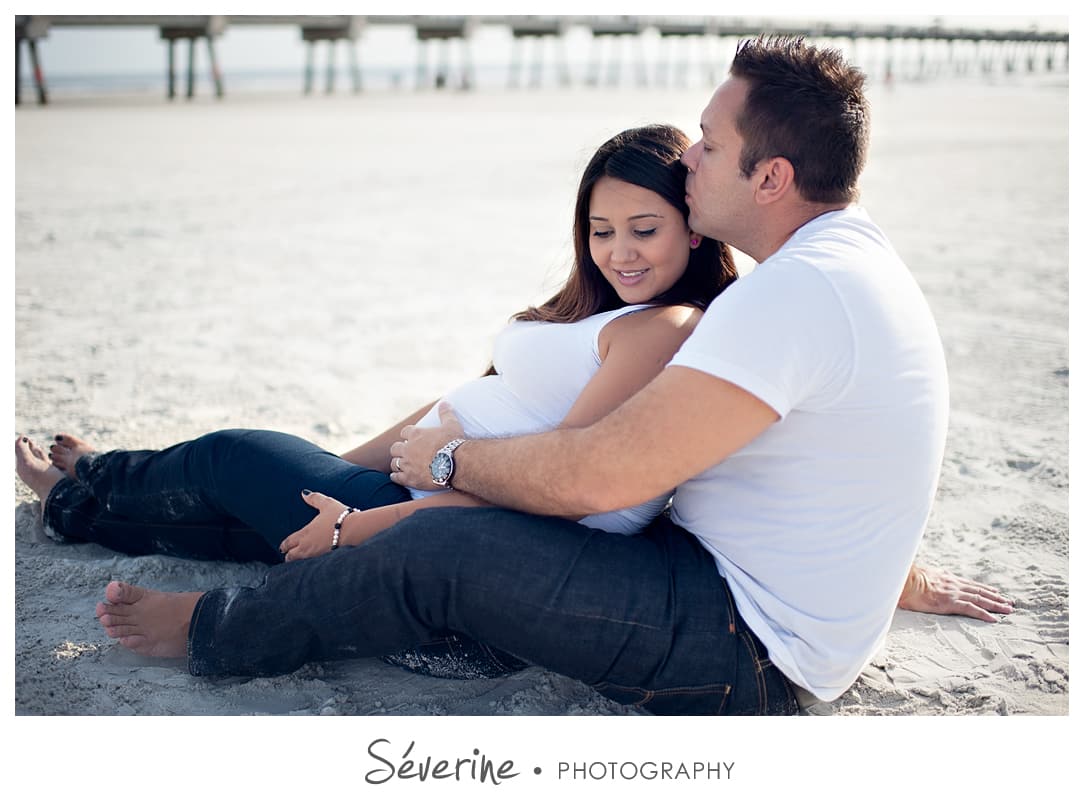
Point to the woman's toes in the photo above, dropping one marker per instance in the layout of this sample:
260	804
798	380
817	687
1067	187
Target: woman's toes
31	463
74	443
60	458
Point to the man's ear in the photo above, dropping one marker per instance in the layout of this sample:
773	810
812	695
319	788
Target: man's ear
775	179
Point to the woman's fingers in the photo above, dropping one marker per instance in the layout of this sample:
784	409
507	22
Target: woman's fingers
296	551
304	543
288	544
315	499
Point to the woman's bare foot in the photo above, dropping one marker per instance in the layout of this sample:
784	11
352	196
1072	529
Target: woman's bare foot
67	451
33	468
153	623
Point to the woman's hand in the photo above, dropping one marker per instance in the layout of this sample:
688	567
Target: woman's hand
410	457
933	591
314	539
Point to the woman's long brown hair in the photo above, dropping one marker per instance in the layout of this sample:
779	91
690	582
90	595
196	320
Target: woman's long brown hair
649	157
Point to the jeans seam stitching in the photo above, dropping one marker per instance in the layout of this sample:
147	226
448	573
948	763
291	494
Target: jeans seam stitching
758	674
191	630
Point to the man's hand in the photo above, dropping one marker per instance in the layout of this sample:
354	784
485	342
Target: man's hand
933	591
410	457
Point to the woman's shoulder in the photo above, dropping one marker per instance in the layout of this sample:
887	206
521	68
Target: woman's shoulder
668	323
681	317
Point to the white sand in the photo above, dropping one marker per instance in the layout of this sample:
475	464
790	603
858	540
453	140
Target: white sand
324	266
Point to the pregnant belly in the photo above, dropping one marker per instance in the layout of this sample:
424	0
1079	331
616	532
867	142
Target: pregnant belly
487	408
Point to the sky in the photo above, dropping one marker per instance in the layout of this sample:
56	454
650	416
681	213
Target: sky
119	51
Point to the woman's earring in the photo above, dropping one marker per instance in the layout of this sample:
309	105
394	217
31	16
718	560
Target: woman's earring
694	241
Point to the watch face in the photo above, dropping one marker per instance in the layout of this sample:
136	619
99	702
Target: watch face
441	467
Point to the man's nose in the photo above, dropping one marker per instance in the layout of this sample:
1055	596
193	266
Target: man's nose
690	156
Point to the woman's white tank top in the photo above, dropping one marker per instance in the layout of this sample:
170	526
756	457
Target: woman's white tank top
542	367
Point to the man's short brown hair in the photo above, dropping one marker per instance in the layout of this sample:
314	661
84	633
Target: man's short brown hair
805	104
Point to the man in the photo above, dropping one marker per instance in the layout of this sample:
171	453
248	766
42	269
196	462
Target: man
802	424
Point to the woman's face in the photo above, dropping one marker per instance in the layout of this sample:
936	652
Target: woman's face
638	240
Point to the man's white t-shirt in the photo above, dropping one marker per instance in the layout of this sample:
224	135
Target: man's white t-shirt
815	523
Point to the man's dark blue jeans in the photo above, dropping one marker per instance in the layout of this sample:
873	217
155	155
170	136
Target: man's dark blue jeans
645	619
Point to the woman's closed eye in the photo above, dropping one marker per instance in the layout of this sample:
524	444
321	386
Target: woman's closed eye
643	233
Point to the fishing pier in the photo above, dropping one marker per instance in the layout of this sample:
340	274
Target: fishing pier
930	50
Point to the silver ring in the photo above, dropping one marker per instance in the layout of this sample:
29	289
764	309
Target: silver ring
398	466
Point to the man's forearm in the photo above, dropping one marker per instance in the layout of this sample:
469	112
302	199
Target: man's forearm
644	448
537	473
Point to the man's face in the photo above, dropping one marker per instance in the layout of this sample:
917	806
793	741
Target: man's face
720	199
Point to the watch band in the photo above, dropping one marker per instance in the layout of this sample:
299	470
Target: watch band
449	451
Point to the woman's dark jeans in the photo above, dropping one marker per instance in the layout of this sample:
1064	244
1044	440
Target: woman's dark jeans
645	619
229	495
235	495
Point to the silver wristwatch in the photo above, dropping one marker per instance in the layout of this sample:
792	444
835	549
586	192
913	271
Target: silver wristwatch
442	468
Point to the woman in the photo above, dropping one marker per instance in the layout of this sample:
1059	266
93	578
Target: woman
638	284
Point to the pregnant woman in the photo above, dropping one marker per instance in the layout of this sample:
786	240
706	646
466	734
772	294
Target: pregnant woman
639	283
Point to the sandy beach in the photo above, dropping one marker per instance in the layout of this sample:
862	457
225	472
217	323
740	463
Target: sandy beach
324	266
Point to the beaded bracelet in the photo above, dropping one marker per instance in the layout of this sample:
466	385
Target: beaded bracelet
339	526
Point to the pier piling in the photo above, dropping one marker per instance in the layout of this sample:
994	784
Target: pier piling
30	31
332	30
442	31
206	28
538	31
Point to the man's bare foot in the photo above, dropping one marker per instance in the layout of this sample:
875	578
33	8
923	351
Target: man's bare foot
34	468
67	451
153	623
